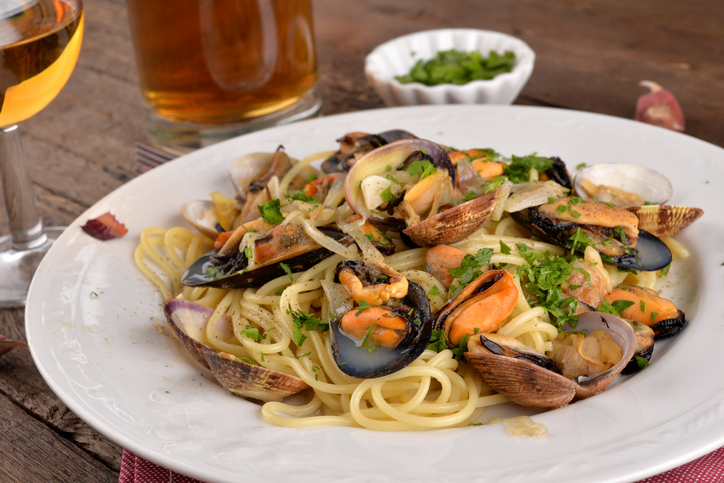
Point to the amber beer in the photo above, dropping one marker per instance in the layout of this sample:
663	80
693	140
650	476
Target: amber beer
220	62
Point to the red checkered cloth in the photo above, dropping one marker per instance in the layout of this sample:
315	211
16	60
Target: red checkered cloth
707	469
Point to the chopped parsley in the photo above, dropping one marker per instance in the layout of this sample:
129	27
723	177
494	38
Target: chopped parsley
301	320
287	270
424	168
665	270
504	249
93	295
213	273
654	315
249	253
387	195
458	352
434	291
643	306
456	67
469	270
271	211
247	360
362	306
616	307
518	171
642	363
392	178
299	195
494	184
580	166
579	241
253	333
311	178
437	341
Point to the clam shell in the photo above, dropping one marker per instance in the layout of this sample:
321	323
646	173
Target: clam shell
187	319
454	224
530	385
201	215
649	184
250	381
664	220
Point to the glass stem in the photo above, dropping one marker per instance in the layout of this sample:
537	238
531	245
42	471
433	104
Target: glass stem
26	227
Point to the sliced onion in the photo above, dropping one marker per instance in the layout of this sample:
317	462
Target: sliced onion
501	197
534	194
369	252
328	242
340	301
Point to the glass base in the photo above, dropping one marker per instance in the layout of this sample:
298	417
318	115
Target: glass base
183	137
17	267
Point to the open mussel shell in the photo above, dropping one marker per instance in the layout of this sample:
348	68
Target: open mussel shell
528	384
650	254
652	186
204	271
358	362
187	319
663	220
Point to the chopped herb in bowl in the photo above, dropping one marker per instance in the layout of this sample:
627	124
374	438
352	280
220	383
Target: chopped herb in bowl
455	67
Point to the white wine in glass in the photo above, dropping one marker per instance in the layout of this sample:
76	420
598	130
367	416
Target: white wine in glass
39	46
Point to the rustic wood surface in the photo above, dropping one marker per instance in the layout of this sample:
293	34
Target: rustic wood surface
591	54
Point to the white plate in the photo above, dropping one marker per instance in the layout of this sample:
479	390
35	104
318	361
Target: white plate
106	361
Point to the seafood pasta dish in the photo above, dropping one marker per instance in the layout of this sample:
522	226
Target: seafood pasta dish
400	284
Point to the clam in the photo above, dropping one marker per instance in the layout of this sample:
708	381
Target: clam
613	232
285	243
663	221
187	320
381	338
202	216
648	186
525	377
664	318
426	206
356	144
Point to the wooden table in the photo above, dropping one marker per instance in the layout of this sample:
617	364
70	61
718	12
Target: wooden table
591	54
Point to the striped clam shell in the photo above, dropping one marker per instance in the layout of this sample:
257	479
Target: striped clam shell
665	220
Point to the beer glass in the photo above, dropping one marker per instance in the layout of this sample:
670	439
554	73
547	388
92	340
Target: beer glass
213	69
39	46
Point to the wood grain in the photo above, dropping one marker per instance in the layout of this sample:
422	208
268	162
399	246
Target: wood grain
591	54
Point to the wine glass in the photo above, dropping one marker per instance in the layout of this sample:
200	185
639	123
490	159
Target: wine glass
39	45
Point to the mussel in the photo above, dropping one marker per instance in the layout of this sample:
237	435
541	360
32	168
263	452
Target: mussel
376	339
285	243
187	321
612	231
356	144
664	318
525	376
479	308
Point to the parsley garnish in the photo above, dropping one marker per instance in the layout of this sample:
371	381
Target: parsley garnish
213	273
437	341
643	306
392	178
642	363
368	335
579	241
299	195
362	306
654	315
302	319
271	211
287	270
504	249
616	307
247	360
253	333
665	270
518	171
459	351
456	67
249	253
93	295
387	195
424	168
494	184
581	166
434	291
469	269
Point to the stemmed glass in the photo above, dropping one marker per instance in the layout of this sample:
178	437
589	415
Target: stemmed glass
39	45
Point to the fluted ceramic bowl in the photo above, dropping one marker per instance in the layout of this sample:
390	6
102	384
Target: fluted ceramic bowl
398	56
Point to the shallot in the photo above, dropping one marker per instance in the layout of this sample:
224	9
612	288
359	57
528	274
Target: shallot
659	107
